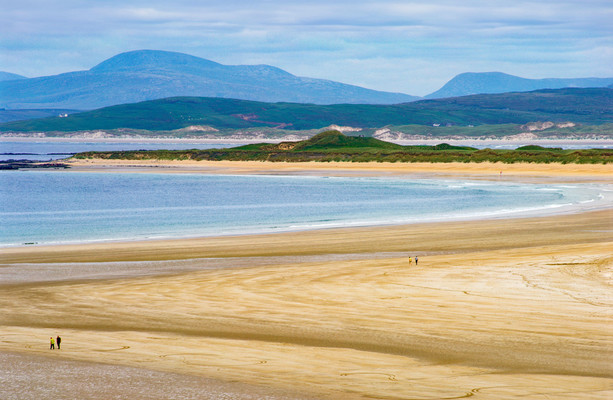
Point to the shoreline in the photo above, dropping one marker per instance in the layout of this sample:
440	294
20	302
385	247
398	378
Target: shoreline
485	170
354	240
520	173
544	212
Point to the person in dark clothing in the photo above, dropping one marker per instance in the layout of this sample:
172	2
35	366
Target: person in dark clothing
58	340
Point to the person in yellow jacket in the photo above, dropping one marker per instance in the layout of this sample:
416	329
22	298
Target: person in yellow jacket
51	343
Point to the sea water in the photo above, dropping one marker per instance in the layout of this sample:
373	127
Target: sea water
46	207
47	151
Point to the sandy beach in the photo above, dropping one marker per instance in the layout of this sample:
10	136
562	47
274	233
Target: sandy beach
485	170
495	309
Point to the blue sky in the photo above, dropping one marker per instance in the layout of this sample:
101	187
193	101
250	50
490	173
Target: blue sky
412	47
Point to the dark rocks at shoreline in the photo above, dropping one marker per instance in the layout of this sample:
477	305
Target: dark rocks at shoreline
30	164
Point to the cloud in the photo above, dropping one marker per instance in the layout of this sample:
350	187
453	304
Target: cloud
410	46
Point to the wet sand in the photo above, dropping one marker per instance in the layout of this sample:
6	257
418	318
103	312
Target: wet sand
525	171
26	376
495	309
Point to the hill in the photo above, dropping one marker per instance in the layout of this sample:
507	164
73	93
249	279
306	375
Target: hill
149	74
7	76
588	106
328	141
498	82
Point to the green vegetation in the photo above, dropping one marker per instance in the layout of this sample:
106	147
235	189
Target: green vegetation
533	147
334	146
585	106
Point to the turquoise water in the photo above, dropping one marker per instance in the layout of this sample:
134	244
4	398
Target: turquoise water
59	206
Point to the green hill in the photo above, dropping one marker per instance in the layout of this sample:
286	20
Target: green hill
588	106
333	140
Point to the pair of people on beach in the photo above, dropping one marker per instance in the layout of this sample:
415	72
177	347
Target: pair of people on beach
52	343
411	260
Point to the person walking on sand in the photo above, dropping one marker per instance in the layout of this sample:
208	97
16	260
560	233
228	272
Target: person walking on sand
416	260
51	343
58	340
410	261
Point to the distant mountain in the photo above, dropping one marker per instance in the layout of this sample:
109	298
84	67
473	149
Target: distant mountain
590	106
497	82
7	76
149	74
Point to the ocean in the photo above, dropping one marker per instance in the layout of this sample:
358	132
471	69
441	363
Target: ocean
48	207
47	151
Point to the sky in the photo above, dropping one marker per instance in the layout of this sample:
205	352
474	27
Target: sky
413	47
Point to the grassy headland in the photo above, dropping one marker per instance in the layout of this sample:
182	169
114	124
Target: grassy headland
334	146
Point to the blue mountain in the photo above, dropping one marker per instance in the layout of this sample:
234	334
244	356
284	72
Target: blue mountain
7	76
150	74
497	82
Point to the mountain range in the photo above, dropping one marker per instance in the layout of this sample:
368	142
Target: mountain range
148	74
152	74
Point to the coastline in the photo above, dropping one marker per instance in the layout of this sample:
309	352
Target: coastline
502	308
593	178
485	170
425	238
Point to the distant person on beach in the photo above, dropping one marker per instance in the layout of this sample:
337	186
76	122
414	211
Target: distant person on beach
416	260
51	343
410	261
58	340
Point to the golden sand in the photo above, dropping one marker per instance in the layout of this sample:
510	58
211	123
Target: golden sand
486	170
500	309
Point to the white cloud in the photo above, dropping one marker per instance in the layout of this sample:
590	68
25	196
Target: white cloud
413	46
